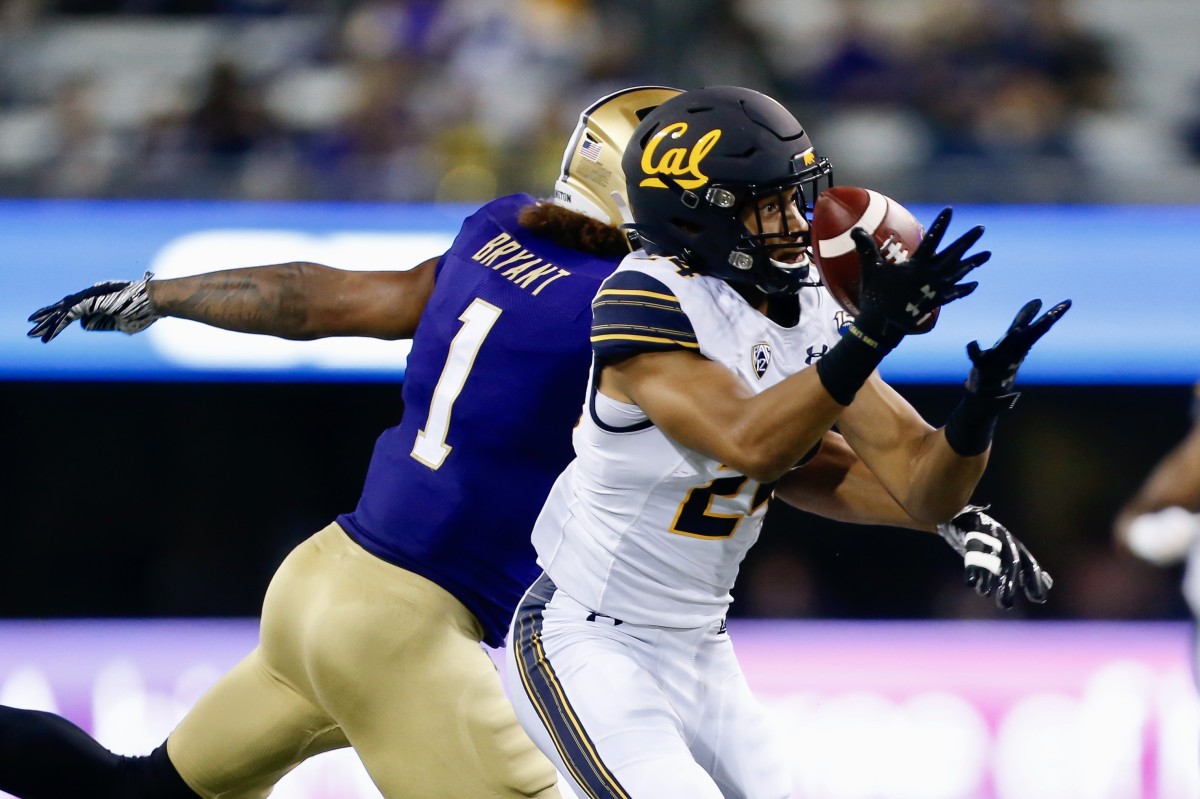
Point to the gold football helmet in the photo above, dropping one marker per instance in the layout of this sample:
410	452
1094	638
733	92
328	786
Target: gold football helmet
592	182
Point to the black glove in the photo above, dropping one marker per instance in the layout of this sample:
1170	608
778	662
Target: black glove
896	297
993	371
111	305
995	561
989	384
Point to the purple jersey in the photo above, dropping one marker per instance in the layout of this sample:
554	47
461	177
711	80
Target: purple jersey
494	385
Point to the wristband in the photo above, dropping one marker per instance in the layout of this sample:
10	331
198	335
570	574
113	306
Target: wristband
850	362
972	424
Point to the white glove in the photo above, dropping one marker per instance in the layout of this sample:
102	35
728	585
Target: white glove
110	305
994	561
1163	537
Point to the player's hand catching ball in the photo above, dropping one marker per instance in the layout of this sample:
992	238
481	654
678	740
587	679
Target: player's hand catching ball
895	298
110	305
994	370
995	562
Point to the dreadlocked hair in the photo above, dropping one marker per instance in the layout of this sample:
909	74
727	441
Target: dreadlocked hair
572	229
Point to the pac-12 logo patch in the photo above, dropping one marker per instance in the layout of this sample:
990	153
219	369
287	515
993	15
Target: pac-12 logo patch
761	353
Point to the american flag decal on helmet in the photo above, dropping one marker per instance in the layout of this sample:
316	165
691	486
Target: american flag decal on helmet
590	149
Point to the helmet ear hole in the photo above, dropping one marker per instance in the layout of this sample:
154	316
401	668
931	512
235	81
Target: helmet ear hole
690	228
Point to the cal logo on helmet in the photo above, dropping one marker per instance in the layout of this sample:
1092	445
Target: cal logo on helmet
681	163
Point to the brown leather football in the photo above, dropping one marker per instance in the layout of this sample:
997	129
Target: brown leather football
839	210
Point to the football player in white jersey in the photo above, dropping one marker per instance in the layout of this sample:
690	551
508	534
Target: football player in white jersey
702	405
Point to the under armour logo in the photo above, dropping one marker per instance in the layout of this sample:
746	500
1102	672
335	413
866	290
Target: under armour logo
813	355
761	354
928	293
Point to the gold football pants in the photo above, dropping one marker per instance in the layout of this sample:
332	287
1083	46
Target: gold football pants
354	651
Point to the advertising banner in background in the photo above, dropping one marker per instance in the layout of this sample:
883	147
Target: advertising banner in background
1129	270
869	710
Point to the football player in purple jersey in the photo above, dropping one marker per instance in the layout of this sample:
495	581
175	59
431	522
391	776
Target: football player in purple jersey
371	628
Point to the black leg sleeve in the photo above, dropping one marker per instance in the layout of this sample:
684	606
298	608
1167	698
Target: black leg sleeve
44	756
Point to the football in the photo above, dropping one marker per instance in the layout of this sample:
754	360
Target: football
839	210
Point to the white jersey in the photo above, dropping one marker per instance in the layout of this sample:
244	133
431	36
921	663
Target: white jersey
638	527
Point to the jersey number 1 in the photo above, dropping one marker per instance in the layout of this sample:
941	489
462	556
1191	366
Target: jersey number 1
431	448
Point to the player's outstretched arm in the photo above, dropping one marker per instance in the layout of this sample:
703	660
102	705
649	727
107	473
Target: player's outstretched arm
295	301
1173	482
836	484
1160	523
933	472
706	407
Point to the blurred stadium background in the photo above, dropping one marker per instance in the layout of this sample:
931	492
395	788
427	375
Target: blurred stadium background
133	494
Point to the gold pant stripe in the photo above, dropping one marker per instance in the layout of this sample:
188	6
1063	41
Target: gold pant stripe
547	696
